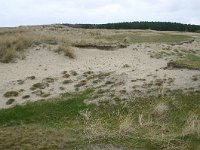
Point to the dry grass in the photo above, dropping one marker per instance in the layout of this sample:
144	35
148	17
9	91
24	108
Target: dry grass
161	109
126	125
13	42
192	126
10	45
67	50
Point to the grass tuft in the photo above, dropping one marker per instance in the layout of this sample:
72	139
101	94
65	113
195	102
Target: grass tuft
11	94
10	101
42	85
68	51
67	81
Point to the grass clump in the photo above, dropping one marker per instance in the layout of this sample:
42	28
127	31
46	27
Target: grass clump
67	50
11	94
74	73
8	55
42	85
41	93
67	81
11	45
81	83
31	78
48	80
189	62
66	75
10	101
26	96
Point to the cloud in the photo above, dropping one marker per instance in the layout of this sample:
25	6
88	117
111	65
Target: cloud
28	12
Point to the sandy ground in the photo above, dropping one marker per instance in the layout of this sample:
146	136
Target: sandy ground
131	72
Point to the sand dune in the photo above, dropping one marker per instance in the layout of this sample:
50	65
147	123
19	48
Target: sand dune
132	66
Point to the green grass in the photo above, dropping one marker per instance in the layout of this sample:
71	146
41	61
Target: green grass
67	122
152	38
45	112
189	62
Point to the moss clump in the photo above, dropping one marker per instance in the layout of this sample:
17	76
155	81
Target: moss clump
66	75
39	86
26	96
11	94
67	81
10	101
31	77
109	82
81	83
74	73
41	93
48	80
20	82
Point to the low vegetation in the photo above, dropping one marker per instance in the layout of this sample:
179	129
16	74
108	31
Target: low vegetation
68	51
14	42
147	37
67	81
41	85
163	122
188	62
103	46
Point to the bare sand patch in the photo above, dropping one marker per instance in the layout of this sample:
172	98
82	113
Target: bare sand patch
143	74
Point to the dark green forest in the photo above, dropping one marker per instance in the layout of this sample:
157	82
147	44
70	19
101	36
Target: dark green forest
160	26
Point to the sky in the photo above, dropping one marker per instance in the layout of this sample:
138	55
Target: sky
37	12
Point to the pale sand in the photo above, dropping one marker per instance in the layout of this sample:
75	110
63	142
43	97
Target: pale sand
42	63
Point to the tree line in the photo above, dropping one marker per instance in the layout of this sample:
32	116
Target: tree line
160	26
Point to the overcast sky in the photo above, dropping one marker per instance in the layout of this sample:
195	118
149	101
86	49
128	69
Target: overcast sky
31	12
